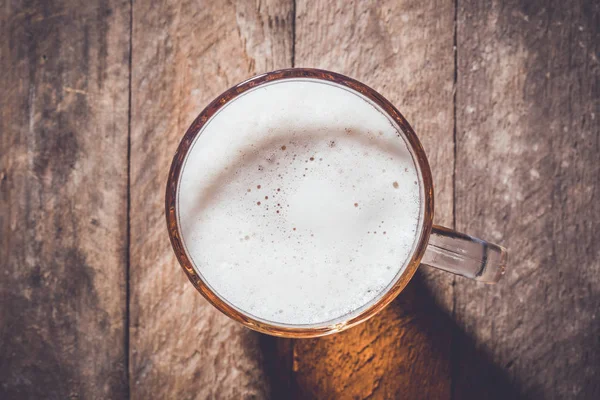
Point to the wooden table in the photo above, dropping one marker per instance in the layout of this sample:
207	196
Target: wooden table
95	96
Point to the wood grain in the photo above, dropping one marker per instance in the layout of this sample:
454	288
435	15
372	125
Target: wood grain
528	151
184	55
404	50
63	199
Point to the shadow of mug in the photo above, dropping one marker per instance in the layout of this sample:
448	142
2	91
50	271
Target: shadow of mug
406	351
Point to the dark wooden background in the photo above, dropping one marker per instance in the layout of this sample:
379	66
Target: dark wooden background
95	95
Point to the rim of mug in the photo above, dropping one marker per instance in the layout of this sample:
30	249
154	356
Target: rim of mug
298	331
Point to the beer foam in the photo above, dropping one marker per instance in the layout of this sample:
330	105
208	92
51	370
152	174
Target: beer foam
299	203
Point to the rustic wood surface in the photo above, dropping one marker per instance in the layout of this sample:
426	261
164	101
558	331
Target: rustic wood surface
63	199
505	97
392	47
528	176
184	55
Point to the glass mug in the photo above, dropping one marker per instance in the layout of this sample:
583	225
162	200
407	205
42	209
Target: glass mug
434	246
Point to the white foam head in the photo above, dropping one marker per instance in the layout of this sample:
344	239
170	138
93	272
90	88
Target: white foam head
299	203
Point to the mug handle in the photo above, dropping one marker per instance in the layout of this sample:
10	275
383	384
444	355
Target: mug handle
465	255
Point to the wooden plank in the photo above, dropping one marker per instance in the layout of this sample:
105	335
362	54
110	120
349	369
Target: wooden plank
63	199
183	56
528	145
404	50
